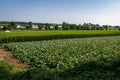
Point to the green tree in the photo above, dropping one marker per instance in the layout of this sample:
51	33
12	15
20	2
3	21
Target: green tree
56	27
106	27
65	26
12	25
73	26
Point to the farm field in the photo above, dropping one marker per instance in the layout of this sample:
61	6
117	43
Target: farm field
28	35
60	40
94	58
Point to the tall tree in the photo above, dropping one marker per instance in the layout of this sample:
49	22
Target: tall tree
12	25
56	27
65	26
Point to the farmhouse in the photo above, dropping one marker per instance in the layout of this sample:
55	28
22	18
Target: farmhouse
51	27
32	26
35	27
20	27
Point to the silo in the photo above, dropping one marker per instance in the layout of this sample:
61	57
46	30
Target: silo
30	25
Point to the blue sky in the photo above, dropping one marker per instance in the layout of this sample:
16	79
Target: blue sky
57	11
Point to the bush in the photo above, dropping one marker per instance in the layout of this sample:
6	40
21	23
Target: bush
5	71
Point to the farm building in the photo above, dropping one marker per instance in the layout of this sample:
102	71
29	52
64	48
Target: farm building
32	26
35	27
20	27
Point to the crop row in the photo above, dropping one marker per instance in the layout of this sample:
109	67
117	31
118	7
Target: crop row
22	36
63	54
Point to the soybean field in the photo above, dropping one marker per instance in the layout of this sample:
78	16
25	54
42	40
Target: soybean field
93	58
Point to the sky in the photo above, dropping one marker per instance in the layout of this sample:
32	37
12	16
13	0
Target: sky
103	12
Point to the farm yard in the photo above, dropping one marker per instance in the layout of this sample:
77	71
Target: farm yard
63	55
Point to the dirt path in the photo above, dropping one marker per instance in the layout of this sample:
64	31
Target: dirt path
7	56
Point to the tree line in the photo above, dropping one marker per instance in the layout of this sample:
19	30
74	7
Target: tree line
88	26
63	26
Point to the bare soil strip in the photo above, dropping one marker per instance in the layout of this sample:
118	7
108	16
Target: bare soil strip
8	56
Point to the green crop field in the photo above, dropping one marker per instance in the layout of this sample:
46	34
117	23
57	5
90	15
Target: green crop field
95	58
63	55
27	35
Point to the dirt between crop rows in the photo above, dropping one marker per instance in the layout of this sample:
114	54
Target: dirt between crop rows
8	56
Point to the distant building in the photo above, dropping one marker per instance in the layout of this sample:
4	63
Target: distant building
20	27
51	27
30	25
1	27
35	27
59	26
43	27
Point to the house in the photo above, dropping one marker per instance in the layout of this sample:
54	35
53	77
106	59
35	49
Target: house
20	27
32	26
35	27
51	27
